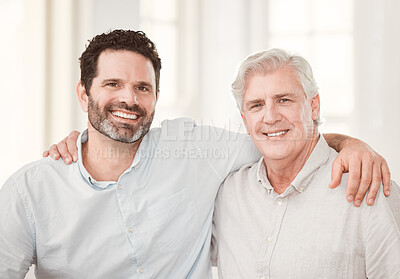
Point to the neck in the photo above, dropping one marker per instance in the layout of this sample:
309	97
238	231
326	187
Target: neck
106	159
281	173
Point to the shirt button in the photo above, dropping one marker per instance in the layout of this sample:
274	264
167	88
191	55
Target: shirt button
280	203
130	229
119	187
269	239
301	188
141	270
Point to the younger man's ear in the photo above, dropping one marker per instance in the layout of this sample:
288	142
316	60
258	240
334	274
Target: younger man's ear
82	96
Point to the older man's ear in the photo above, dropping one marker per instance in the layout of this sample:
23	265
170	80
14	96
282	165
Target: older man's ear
244	122
315	107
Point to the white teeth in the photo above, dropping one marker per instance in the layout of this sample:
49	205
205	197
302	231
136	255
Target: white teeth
125	115
277	134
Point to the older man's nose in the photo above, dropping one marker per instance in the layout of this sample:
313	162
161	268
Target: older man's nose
271	114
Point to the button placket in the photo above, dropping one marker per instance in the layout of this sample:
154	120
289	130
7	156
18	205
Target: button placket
128	219
271	240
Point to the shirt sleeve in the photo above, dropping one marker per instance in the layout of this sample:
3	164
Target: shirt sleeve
16	233
383	237
230	150
224	150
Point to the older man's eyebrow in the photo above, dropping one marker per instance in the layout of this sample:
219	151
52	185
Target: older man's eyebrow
285	95
254	101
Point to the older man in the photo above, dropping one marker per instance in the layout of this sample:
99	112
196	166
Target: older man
277	218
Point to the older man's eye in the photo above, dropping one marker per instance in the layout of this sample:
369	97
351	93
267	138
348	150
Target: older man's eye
256	106
284	100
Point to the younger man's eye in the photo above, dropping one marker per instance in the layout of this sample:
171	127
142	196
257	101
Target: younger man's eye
112	84
142	88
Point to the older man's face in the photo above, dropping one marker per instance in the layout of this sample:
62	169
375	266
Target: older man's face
278	115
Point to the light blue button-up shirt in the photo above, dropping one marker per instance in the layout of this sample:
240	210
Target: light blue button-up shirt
154	222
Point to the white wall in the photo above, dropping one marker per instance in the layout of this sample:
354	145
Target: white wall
377	78
224	42
22	92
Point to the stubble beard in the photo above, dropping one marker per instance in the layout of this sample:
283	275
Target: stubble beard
101	121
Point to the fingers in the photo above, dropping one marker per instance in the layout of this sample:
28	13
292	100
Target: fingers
365	182
46	154
354	180
53	151
71	145
63	150
375	184
337	172
385	178
367	170
66	149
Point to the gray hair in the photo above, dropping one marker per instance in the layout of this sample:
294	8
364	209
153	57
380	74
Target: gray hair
269	61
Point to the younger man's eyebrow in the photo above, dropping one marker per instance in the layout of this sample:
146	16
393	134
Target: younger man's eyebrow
116	80
144	83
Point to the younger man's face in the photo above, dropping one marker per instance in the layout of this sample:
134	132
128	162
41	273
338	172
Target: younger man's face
122	97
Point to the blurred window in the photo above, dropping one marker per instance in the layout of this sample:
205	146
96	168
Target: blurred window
160	20
322	32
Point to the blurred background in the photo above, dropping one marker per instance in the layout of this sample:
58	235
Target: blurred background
352	45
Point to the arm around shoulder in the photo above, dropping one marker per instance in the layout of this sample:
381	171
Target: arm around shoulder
367	169
66	149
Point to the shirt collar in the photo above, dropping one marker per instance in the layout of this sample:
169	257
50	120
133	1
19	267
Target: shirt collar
319	156
101	185
262	176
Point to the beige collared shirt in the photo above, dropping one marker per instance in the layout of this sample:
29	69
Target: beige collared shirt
309	231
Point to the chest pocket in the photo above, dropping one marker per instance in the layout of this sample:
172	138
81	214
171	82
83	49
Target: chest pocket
174	220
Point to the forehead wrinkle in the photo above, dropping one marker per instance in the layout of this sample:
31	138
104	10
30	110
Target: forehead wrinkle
124	67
